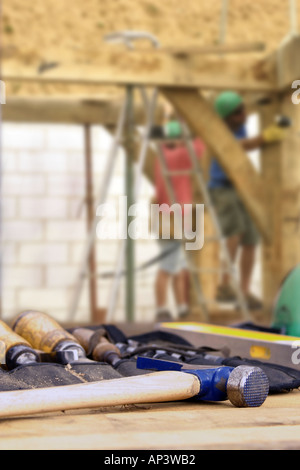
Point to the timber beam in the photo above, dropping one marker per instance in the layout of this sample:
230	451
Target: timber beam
155	68
72	110
185	68
288	64
283	64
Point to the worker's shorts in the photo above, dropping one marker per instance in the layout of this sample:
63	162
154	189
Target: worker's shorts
233	216
175	261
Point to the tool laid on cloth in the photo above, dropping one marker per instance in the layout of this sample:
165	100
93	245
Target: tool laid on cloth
16	350
43	333
187	345
243	386
97	346
107	343
42	354
270	348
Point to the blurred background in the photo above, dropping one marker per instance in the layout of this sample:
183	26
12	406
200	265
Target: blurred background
44	193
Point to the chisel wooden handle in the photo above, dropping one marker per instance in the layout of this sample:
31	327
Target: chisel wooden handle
42	331
150	388
15	348
10	338
102	349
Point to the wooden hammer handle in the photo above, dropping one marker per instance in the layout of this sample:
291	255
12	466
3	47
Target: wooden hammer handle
150	388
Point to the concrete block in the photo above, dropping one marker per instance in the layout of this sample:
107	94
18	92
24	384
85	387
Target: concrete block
9	207
43	253
23	185
66	230
61	276
65	137
44	299
42	161
43	208
9	253
23	136
75	161
22	231
9	160
15	276
65	185
9	299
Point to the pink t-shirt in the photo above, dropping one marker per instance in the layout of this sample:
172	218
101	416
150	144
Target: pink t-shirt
177	159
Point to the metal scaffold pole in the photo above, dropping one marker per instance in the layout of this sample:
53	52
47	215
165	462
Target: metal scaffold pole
89	194
129	191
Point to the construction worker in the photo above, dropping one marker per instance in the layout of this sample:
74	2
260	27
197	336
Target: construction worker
173	268
235	221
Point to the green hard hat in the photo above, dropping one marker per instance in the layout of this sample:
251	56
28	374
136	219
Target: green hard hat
227	102
173	129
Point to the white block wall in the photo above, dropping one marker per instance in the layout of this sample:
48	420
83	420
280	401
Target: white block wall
44	225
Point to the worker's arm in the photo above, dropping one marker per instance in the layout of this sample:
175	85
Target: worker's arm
252	143
269	135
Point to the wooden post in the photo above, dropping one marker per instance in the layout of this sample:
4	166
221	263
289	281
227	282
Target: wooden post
281	174
208	257
271	157
89	195
290	194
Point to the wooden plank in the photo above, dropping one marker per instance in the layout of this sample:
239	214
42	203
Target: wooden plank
282	64
122	67
271	159
281	173
290	189
64	110
208	256
288	65
178	426
61	110
204	122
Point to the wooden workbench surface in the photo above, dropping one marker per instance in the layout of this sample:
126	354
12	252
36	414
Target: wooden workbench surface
171	426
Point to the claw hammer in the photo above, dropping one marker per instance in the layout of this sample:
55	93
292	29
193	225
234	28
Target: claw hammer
243	386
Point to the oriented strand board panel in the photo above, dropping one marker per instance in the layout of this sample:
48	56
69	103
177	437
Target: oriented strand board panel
73	31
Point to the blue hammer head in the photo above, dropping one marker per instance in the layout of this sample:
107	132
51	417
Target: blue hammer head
244	386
